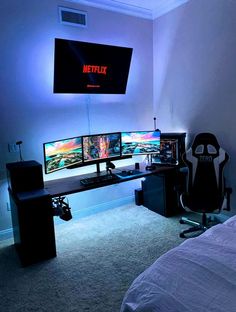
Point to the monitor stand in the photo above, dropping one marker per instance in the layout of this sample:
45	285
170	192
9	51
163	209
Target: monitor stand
98	168
150	165
109	166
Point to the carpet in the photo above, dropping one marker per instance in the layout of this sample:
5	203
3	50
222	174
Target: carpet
98	257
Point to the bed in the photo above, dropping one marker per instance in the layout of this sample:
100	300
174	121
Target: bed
198	275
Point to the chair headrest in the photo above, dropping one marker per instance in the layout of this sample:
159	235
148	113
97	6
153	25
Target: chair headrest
205	146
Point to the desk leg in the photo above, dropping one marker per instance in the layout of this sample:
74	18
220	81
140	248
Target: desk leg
33	229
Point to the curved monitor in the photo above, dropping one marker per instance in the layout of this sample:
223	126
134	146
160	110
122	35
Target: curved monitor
140	142
61	154
101	147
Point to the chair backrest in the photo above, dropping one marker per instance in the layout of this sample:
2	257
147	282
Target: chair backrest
205	185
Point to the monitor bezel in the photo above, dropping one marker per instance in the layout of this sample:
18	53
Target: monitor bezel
78	164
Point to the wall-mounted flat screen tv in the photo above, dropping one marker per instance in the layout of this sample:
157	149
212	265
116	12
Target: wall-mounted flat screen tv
83	67
101	147
140	142
61	154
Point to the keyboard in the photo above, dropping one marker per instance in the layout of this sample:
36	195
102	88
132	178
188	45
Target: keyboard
99	179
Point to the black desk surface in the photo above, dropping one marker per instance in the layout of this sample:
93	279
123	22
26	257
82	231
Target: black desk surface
70	185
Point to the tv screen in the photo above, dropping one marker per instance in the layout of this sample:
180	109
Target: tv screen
62	153
101	147
140	142
83	67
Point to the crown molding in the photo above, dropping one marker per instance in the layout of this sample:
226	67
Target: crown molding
117	7
166	6
161	7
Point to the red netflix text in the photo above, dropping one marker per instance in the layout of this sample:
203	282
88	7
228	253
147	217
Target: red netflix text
95	69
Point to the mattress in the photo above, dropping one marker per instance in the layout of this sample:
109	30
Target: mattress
198	275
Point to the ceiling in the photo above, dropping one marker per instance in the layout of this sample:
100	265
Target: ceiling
149	9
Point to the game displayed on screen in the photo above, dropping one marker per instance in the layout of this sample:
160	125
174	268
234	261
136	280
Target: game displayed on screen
140	142
101	146
62	153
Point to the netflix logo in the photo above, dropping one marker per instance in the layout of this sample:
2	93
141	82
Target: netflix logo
101	70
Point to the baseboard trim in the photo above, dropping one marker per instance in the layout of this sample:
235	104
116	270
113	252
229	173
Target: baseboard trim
8	233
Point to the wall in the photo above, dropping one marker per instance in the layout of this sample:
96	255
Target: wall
33	114
194	73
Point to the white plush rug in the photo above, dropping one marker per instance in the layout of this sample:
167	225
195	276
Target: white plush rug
97	259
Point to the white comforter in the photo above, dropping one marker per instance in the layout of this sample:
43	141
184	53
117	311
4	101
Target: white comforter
197	276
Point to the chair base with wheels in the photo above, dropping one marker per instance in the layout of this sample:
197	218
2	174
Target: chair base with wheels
196	226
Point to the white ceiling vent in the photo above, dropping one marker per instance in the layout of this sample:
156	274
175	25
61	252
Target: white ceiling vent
73	17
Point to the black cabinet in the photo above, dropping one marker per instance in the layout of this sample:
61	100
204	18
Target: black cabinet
33	227
25	176
159	193
31	210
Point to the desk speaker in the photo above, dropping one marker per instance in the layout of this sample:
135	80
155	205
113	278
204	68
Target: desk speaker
24	176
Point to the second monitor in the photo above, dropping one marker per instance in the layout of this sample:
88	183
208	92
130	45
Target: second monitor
101	147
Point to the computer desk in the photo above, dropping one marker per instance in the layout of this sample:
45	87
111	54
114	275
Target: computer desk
32	215
157	191
70	185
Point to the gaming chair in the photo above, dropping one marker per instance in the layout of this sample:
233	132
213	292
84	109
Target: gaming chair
205	190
